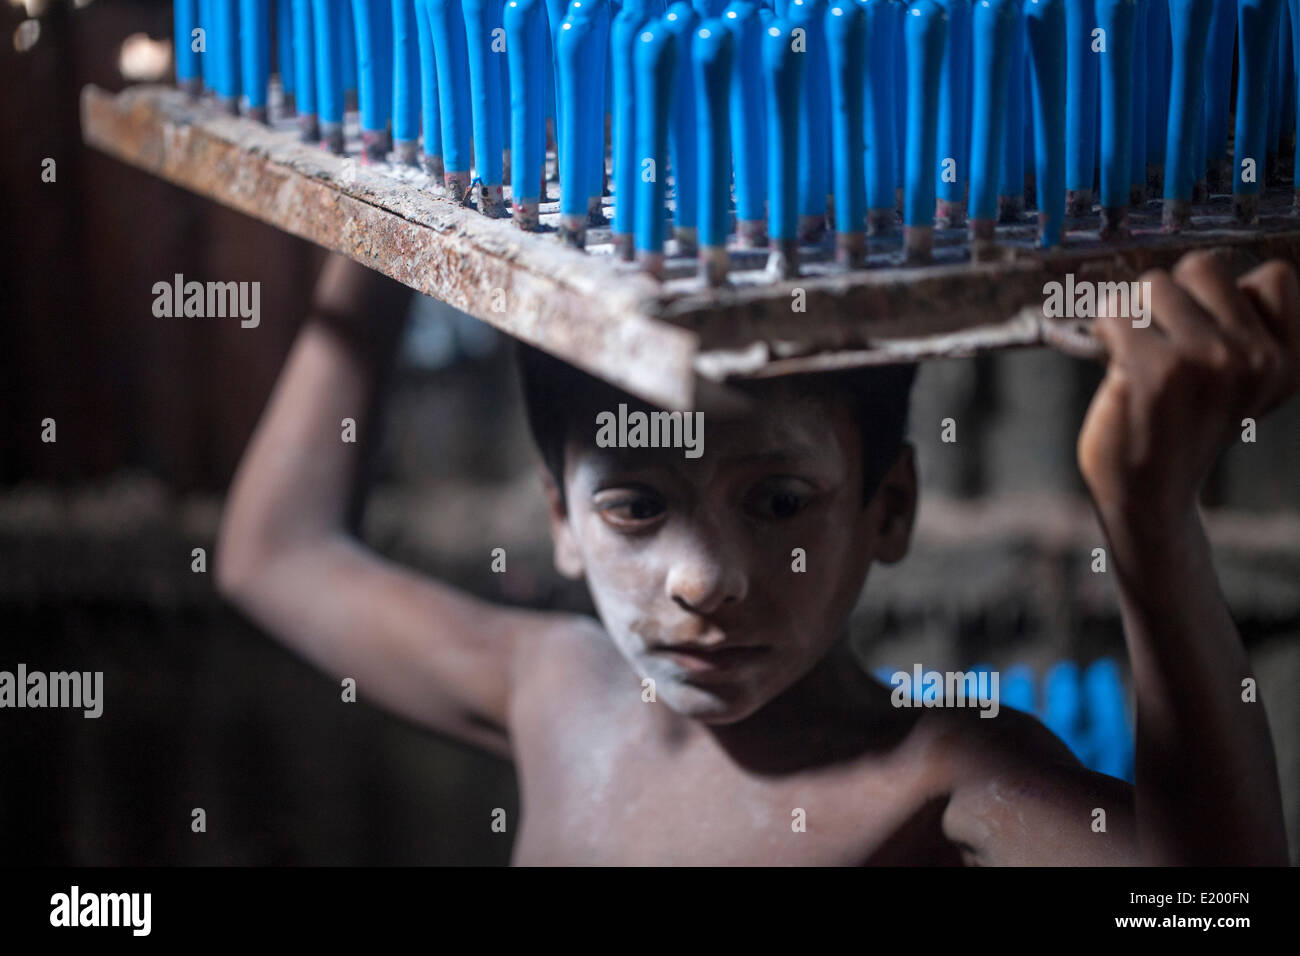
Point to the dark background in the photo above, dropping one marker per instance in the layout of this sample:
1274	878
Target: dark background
202	710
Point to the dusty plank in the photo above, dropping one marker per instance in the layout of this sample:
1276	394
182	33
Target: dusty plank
657	340
541	293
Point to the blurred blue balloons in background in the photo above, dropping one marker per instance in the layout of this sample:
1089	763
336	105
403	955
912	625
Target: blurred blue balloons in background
1087	709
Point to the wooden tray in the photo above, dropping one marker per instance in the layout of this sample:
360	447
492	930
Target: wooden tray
667	342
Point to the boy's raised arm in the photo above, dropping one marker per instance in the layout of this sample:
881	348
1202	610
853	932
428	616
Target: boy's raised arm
420	648
1218	350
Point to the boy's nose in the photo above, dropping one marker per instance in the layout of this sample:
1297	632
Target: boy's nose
706	580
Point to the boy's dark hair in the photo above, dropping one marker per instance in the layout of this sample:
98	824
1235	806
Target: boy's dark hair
557	394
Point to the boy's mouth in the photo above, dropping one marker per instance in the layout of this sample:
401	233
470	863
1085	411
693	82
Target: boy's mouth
702	660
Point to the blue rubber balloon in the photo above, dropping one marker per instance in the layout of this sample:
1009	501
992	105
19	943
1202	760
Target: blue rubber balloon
1137	155
1189	23
1081	95
326	16
681	20
881	95
486	101
524	23
185	21
814	120
711	54
846	44
993	26
783	80
656	68
452	60
1155	47
954	119
1108	729
626	30
407	91
254	51
1118	18
926	31
1011	170
1045	30
304	60
284	45
430	119
1257	22
749	149
1018	689
1063	711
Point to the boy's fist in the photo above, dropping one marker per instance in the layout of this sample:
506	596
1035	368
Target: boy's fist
1218	349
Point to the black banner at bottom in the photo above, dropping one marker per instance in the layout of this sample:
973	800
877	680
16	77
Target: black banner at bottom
336	906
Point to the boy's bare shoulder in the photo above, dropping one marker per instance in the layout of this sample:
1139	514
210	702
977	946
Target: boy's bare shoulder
569	686
568	647
1016	794
557	637
973	745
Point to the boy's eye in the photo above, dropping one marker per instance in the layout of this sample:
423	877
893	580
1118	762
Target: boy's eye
778	500
629	510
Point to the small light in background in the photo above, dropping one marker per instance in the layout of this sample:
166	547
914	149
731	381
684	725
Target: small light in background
35	8
82	4
143	59
26	35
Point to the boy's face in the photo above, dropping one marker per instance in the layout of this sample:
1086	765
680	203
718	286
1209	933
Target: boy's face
692	562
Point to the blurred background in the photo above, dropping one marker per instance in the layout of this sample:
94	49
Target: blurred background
202	710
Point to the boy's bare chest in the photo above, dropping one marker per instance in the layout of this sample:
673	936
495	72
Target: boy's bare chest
598	791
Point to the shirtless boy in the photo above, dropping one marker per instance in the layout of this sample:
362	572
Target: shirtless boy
759	708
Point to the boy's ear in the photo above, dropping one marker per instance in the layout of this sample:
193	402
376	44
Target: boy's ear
894	507
568	559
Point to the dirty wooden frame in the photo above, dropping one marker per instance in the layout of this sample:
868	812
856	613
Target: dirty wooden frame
660	341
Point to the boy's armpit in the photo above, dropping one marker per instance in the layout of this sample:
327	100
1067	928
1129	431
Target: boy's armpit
1020	798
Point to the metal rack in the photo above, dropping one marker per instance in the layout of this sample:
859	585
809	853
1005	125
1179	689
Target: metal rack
668	342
